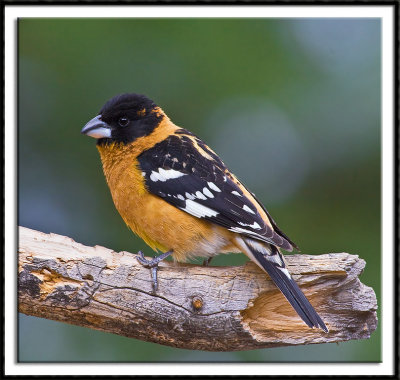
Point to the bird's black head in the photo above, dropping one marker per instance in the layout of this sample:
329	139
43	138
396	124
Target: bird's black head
124	118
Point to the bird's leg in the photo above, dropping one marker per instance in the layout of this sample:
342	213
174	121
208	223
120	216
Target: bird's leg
207	262
153	265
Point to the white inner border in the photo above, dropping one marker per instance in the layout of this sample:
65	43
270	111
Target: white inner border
385	12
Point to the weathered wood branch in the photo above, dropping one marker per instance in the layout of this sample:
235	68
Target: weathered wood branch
195	307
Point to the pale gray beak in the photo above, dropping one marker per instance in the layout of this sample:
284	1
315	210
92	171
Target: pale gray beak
97	128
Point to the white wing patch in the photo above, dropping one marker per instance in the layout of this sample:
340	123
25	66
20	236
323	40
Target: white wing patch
164	175
239	230
190	196
200	195
255	225
208	193
214	187
236	193
242	230
198	210
248	209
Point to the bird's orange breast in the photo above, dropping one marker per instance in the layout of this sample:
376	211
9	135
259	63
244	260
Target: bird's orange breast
161	225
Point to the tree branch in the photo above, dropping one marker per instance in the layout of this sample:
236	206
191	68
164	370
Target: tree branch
195	307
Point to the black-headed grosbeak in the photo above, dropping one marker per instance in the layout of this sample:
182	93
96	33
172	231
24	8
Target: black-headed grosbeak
175	192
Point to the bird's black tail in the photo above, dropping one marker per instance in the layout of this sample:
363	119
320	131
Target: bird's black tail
269	258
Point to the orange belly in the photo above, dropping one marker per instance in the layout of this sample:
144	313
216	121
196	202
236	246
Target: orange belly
171	228
162	226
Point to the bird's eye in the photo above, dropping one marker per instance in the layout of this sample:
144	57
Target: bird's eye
123	121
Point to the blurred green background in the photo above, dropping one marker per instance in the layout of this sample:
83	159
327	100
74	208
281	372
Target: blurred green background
292	106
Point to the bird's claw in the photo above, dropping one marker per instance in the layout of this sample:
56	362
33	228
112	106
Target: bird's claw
146	263
207	262
153	265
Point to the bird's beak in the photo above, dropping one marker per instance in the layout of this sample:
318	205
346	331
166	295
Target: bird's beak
97	128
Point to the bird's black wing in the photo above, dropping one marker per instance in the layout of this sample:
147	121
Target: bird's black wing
186	173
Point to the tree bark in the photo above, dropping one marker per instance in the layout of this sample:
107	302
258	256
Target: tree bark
195	307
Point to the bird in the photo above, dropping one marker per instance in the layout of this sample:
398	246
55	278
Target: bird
175	192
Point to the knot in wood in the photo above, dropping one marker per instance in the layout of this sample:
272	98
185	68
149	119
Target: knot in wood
197	302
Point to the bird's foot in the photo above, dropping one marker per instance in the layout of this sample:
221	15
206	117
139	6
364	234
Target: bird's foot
207	262
153	265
